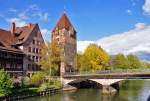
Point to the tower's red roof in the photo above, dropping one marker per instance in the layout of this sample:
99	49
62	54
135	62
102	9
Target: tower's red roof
64	22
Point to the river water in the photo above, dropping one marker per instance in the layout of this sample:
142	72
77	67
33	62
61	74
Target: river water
133	90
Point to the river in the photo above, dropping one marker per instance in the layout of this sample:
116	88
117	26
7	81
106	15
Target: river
133	90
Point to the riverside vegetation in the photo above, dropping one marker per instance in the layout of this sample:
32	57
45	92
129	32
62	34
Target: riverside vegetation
33	85
94	58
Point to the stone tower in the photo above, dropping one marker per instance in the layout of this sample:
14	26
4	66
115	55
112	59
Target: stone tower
65	35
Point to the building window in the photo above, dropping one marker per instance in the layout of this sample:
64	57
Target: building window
29	49
37	58
29	57
38	42
13	65
2	65
33	50
33	58
29	67
33	67
33	42
37	50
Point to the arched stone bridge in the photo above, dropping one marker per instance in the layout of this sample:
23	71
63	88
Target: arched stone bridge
106	80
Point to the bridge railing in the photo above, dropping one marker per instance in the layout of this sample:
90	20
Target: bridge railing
115	71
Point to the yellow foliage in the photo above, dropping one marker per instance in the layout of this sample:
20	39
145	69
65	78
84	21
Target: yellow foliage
94	58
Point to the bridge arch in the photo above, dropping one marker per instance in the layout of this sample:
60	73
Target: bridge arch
84	83
106	82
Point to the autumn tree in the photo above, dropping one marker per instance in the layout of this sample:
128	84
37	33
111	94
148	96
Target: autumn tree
94	58
50	60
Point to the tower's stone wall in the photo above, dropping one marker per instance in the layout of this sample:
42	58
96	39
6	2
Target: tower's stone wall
65	36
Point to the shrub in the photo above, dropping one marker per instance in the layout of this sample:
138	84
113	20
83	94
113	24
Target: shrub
26	81
53	83
37	79
43	87
6	83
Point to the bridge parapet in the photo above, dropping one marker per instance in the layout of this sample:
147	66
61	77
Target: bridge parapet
116	71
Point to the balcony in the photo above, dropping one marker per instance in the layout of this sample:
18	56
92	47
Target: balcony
14	69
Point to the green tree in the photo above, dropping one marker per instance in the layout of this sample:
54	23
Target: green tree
94	58
134	61
120	62
37	78
6	83
51	58
83	63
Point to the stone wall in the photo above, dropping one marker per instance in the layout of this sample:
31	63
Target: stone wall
67	40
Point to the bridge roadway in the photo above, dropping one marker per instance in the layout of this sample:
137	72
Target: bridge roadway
137	75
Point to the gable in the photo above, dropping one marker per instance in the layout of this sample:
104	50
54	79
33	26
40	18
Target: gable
35	34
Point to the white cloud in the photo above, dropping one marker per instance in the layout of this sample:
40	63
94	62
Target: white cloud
19	22
146	7
82	45
46	34
140	25
44	31
129	12
45	17
23	16
33	11
132	41
127	42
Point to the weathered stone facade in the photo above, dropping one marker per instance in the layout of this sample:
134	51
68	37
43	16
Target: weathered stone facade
65	35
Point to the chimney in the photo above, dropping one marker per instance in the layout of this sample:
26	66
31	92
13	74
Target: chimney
13	27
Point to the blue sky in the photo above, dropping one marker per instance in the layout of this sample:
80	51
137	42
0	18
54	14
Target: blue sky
118	26
93	19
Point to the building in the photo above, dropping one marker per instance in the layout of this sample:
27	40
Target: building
24	44
65	35
11	57
29	39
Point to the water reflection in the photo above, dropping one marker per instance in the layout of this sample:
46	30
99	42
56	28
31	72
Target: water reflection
134	90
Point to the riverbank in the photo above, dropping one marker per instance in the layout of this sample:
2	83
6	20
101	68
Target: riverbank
30	93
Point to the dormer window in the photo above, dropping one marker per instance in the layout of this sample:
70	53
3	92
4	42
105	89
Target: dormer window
21	39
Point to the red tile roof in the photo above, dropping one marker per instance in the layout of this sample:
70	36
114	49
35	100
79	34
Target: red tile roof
24	32
64	22
8	39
